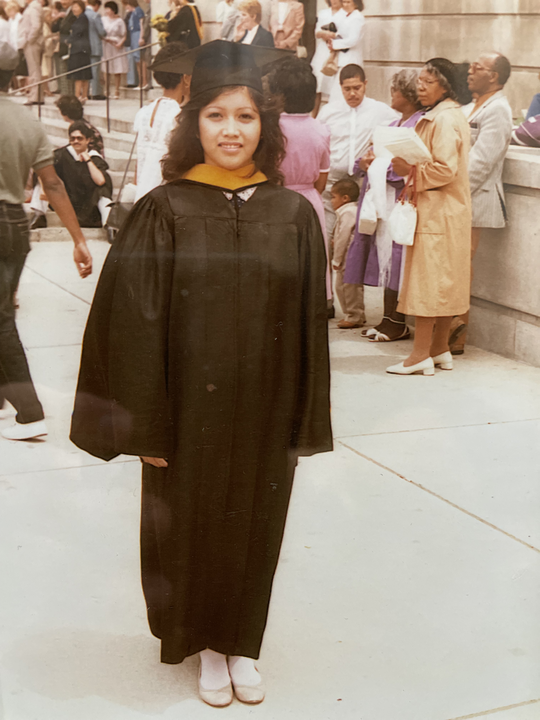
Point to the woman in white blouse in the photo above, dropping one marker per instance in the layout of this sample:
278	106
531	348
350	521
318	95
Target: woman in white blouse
326	16
348	40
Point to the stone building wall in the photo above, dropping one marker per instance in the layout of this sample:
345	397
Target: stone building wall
406	33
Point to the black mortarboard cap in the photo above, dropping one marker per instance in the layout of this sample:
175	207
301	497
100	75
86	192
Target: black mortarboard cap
221	63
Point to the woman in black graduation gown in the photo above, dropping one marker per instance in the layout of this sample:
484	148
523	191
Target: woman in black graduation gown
206	353
186	25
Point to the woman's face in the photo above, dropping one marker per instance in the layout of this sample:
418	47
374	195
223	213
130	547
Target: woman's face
247	20
348	6
399	102
430	90
76	10
109	12
230	130
335	5
11	12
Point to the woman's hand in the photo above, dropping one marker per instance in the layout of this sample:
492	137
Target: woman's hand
326	35
156	462
401	167
366	160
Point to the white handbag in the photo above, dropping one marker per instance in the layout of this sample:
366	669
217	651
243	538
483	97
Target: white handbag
367	220
403	218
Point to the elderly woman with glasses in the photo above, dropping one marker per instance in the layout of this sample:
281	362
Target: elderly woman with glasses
374	259
436	276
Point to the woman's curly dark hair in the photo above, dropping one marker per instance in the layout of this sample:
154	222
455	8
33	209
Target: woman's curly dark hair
185	149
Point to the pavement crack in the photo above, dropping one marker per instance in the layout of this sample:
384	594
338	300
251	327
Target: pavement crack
445	500
496	710
442	427
44	277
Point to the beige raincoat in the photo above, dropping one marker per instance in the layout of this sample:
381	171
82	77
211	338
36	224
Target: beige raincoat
437	273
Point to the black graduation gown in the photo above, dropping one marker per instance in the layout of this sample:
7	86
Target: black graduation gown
207	345
81	189
182	27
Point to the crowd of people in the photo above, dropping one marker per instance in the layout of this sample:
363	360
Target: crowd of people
85	38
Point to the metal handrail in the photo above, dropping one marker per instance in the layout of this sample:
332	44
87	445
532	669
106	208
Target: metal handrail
40	83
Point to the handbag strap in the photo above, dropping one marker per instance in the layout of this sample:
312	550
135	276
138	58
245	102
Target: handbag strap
119	197
410	182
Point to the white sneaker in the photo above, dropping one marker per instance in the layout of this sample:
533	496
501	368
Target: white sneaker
26	431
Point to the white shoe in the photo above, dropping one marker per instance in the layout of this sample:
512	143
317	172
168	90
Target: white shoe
26	431
444	360
426	367
216	698
250	694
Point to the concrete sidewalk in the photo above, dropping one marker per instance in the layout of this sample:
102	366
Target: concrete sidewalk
408	587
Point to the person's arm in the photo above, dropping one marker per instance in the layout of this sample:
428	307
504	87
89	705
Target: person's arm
443	167
58	198
95	173
342	235
36	26
350	31
291	41
98	24
120	42
141	27
490	146
320	183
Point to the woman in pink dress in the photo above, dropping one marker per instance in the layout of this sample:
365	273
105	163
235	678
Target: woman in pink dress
307	159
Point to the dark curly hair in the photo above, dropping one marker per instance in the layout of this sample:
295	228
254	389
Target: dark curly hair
185	149
293	79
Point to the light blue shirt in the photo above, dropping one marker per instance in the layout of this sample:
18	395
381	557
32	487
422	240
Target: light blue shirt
96	31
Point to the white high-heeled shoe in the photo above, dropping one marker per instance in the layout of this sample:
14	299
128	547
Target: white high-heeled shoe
445	360
426	367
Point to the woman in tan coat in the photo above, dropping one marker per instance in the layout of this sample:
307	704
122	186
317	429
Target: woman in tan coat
436	280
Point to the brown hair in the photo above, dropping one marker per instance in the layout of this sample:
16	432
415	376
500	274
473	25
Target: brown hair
252	8
185	149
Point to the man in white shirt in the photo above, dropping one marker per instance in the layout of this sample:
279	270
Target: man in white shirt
352	119
154	123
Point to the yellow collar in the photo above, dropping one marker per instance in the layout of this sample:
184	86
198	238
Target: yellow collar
228	179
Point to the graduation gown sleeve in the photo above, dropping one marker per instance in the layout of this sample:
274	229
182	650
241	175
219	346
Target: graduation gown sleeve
121	404
313	433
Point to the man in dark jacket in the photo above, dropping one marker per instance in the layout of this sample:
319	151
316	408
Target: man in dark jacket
62	25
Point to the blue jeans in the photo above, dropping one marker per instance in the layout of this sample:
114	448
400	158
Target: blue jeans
95	83
15	382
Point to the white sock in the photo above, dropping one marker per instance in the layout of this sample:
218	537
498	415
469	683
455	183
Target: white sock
243	671
214	670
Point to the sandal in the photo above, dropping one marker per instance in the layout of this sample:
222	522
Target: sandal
382	337
369	332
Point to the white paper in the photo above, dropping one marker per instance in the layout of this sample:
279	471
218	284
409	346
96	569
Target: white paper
400	142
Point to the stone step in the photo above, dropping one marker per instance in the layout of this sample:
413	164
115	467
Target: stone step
97	116
134	94
56	127
60	234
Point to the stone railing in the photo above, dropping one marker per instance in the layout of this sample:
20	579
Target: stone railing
505	304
